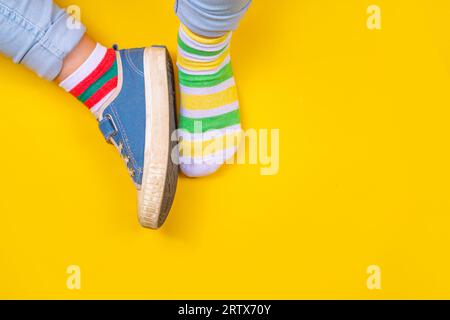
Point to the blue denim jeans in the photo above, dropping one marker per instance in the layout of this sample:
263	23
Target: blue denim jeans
39	34
211	18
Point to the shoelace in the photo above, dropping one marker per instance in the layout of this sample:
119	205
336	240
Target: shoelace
109	130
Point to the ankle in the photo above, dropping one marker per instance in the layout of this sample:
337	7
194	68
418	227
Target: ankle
95	81
202	54
76	58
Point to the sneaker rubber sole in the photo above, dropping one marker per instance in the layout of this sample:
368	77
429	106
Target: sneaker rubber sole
160	176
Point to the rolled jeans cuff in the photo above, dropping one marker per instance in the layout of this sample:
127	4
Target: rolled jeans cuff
46	57
211	18
38	34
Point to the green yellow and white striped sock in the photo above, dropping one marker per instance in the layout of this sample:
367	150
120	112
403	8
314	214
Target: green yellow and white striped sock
210	129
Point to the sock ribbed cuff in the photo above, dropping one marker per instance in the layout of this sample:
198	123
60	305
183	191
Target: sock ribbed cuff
95	80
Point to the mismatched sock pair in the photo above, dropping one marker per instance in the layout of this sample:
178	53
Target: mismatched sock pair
209	122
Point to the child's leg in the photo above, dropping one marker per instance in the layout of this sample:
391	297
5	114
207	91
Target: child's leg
209	114
76	58
36	33
40	35
115	85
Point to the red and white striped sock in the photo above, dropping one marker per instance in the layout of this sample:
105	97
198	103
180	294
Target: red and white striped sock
95	81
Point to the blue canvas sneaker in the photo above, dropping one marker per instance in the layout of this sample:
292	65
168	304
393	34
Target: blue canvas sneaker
139	120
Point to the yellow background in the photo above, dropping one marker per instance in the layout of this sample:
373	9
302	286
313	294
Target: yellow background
364	176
